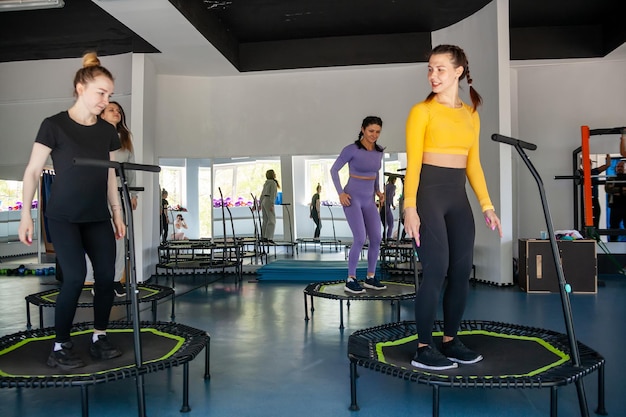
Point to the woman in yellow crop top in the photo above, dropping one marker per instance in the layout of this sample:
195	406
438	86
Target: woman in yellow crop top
442	151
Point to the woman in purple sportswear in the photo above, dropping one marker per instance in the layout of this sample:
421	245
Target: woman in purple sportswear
364	158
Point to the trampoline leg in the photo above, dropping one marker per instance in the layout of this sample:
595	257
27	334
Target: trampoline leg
353	405
601	408
185	408
141	396
397	305
312	305
435	401
207	355
40	317
554	406
173	316
340	314
84	400
306	309
28	324
582	398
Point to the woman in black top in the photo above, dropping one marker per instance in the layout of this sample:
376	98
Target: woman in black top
315	211
78	213
165	205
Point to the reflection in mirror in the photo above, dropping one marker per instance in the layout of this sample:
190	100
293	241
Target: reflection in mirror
194	185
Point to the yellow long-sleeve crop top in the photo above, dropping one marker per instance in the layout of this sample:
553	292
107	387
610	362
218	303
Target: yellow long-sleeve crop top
433	127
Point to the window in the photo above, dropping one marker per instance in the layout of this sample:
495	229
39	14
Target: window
10	194
204	201
172	179
238	181
393	166
318	172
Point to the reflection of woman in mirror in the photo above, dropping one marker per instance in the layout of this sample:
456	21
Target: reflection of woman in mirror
315	211
164	218
595	201
179	225
386	209
268	197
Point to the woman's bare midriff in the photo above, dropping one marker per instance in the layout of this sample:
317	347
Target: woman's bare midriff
445	160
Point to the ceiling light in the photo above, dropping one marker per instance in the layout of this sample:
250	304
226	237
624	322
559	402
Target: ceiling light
11	5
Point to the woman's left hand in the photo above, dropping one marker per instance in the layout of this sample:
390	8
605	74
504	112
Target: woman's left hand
118	222
492	220
381	196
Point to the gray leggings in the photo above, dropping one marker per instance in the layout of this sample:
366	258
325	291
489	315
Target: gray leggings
447	245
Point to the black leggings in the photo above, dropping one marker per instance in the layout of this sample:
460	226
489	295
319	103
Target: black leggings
447	245
318	222
71	242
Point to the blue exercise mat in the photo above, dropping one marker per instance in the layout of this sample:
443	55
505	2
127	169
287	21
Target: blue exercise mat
309	271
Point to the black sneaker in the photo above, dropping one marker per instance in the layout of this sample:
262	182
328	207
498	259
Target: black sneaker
427	357
374	284
456	351
103	349
65	358
354	287
119	289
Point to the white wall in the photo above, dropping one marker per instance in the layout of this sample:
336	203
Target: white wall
480	37
283	113
142	125
33	90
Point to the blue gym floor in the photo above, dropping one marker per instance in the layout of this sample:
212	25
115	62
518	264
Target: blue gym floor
266	360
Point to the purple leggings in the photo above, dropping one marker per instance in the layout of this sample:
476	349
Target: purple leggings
388	219
364	221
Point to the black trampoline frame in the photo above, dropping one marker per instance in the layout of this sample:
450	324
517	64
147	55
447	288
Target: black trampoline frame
394	257
39	299
201	255
313	290
362	352
582	359
195	341
199	338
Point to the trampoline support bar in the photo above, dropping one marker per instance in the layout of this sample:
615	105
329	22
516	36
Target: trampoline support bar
353	404
84	400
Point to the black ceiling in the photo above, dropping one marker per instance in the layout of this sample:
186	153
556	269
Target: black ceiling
281	34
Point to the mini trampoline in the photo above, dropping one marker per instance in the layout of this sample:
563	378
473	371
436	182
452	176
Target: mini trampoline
148	293
165	345
515	357
23	355
395	292
200	255
398	258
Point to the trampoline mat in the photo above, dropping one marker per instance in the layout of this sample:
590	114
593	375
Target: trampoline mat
531	355
335	289
514	355
147	292
28	357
